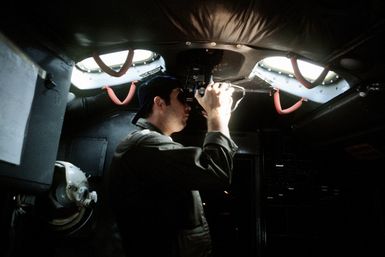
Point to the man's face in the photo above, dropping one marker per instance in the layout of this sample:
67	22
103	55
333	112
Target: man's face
178	111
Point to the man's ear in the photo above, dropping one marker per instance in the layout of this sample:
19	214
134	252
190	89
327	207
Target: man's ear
158	102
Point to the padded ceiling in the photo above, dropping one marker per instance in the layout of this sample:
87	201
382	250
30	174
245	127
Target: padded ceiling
312	28
346	35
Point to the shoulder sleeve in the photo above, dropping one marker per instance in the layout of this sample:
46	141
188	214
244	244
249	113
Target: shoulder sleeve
217	138
157	159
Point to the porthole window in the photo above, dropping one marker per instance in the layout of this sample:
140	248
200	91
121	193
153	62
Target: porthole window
279	73
88	75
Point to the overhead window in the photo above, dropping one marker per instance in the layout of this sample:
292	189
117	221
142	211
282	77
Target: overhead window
279	73
88	75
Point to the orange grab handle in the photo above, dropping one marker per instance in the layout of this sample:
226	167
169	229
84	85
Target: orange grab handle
116	100
277	104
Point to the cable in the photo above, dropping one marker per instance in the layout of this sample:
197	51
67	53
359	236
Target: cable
240	99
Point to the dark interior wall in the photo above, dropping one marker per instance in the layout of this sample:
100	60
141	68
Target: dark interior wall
35	172
320	201
91	144
355	116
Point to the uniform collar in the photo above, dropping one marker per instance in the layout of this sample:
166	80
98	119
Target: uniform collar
144	124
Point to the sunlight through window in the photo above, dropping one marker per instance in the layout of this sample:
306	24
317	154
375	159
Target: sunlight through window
278	72
88	75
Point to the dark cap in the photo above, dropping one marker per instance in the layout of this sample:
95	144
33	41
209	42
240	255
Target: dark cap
158	86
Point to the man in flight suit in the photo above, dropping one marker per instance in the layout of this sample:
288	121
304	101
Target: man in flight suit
155	181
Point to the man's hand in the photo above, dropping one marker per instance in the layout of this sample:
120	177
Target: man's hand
217	102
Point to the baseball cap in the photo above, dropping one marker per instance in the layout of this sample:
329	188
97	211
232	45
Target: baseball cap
161	85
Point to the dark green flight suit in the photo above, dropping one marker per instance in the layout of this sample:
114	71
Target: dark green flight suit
154	191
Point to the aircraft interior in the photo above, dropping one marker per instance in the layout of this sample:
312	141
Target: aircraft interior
309	172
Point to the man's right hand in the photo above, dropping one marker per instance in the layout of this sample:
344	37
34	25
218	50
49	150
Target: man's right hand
216	102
